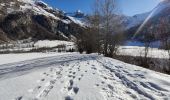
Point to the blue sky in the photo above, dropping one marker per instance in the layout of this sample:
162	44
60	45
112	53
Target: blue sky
127	7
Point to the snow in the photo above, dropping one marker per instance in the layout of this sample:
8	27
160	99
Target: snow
11	58
2	4
139	51
12	3
54	43
30	4
77	21
28	1
28	45
136	20
38	10
9	10
80	77
43	3
66	21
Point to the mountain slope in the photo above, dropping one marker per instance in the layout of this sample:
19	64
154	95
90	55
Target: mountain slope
135	20
20	19
155	22
80	77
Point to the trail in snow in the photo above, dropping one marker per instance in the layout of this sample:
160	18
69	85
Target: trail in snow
81	77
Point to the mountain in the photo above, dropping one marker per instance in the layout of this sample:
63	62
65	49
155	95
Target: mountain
151	22
21	19
77	14
135	20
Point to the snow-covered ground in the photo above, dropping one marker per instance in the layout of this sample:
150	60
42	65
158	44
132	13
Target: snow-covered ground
53	43
80	77
27	45
11	58
140	51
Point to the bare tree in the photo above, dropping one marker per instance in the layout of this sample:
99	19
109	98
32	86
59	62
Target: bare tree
94	21
104	34
87	41
111	27
164	31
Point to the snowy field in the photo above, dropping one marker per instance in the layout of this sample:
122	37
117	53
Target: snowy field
27	45
53	43
78	77
139	51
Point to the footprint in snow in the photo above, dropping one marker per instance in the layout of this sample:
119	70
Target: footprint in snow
102	82
105	77
97	85
47	74
69	88
71	82
74	73
94	68
70	72
110	87
82	75
74	77
79	79
48	88
72	90
68	98
93	65
104	89
42	79
70	76
76	90
19	98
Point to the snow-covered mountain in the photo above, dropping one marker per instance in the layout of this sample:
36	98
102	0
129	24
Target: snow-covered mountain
138	19
20	19
77	14
135	20
151	22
